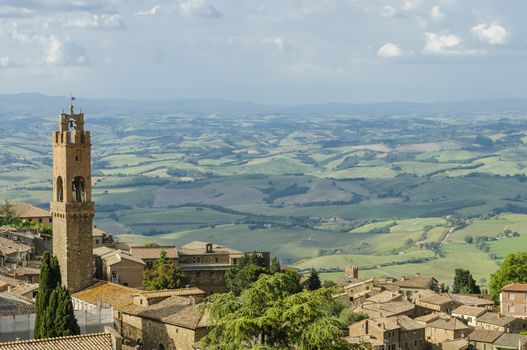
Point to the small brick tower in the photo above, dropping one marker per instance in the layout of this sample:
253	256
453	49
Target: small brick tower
71	207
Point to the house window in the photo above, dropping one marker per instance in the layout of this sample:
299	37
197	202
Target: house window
149	264
511	296
96	241
40	220
216	260
161	346
510	308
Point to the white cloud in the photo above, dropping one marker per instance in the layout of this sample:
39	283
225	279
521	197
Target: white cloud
104	21
197	8
276	42
410	5
15	12
442	44
493	34
388	11
152	12
5	62
389	50
63	52
436	13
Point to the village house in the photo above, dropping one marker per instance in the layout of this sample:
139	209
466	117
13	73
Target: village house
509	341
478	300
513	300
26	274
482	339
13	253
27	212
38	241
499	322
150	254
428	301
400	332
410	285
443	329
469	313
206	264
355	293
387	309
118	266
168	319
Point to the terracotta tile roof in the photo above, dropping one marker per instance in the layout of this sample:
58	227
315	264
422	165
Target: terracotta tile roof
407	324
153	252
481	300
448	324
470	310
23	211
24	270
8	246
417	282
384	297
199	247
484	336
115	256
426	319
172	292
455	344
495	319
115	295
388	309
515	287
509	340
97	232
99	341
435	300
10	305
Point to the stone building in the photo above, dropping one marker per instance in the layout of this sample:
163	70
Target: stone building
27	212
206	264
13	253
169	319
482	339
443	329
72	208
498	322
469	313
118	266
513	300
150	254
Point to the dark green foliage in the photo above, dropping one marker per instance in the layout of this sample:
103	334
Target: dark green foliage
275	266
274	314
347	316
313	281
247	272
464	283
54	309
484	141
512	270
469	239
164	275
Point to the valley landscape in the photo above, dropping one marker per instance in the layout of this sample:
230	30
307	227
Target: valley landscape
395	189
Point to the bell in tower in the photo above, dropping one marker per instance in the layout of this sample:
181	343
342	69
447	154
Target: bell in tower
72	207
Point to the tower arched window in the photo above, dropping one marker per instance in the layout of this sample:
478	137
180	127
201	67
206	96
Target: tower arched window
60	189
78	188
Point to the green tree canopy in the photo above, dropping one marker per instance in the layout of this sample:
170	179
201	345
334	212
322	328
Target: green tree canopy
249	269
8	215
164	275
274	313
313	281
512	270
54	309
464	282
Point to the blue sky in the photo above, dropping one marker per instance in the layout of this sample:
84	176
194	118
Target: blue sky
269	51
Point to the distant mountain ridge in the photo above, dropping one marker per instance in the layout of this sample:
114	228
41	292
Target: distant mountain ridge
34	104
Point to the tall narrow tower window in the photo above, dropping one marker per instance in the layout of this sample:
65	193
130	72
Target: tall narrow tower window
60	190
78	189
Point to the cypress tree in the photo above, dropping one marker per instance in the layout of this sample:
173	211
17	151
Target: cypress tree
55	316
49	279
313	281
65	322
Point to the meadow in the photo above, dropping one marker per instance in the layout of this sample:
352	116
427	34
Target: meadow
321	191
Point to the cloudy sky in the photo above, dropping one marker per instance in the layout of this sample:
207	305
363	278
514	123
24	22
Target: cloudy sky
271	51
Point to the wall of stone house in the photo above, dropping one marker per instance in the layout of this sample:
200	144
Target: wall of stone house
129	273
490	327
437	335
412	340
154	333
204	258
209	281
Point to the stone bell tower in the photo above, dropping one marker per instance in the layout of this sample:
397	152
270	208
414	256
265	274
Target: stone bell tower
71	207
